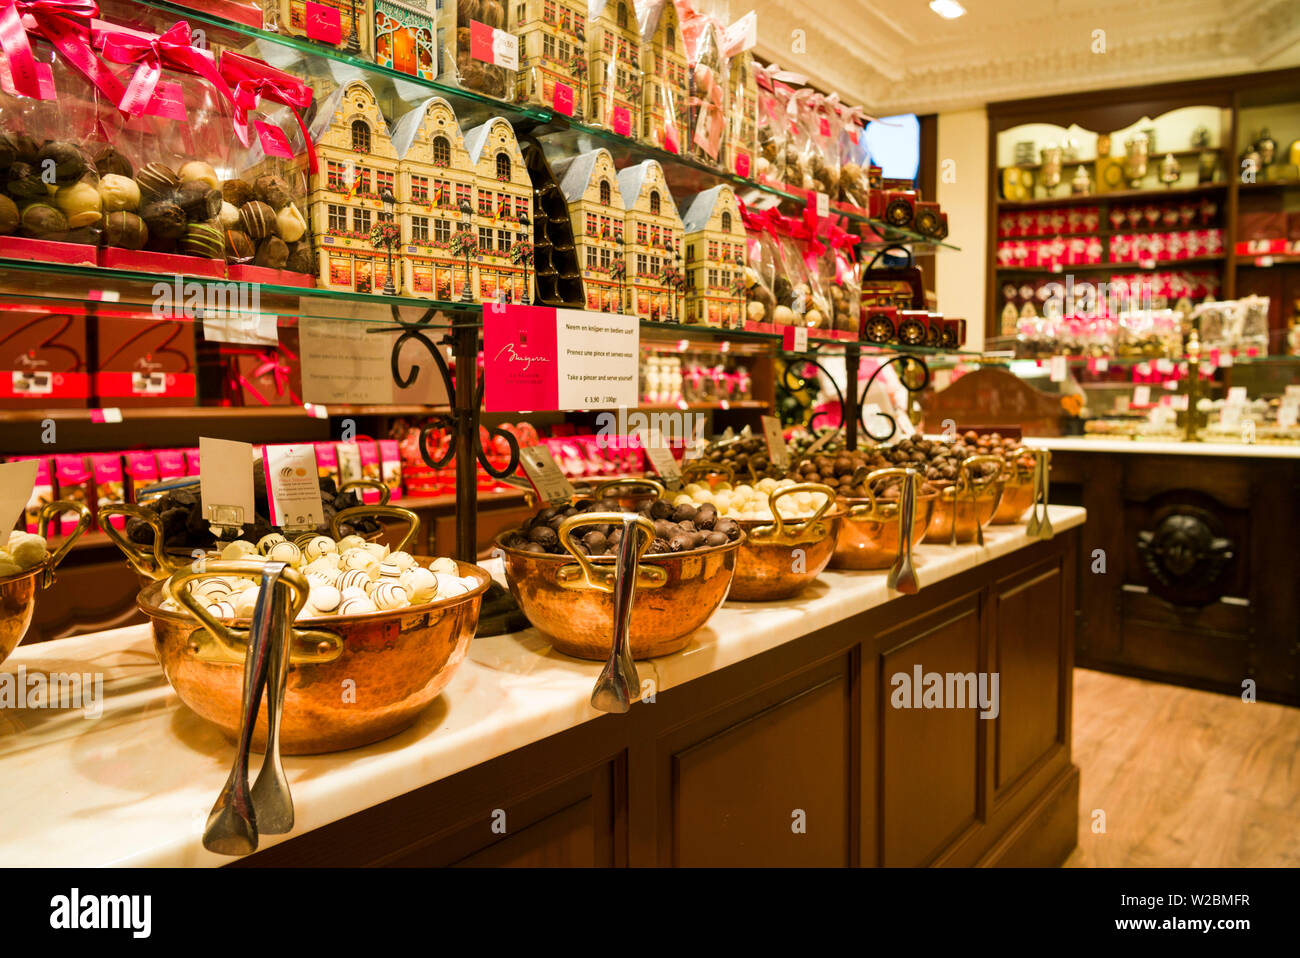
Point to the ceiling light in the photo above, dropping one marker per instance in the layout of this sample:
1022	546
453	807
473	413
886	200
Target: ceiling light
948	9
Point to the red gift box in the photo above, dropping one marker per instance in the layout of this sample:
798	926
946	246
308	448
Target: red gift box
879	324
145	362
43	360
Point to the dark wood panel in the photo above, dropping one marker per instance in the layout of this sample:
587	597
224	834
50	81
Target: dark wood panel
930	757
1027	654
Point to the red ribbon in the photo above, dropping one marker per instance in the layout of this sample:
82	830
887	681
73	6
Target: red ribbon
173	50
65	24
254	81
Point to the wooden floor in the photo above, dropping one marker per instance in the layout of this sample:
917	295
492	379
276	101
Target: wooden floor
1185	778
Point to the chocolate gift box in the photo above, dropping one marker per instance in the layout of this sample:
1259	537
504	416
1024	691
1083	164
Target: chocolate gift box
73	482
110	482
144	362
43	361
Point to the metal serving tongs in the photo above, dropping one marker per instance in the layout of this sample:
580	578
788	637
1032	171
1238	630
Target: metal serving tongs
902	576
1040	528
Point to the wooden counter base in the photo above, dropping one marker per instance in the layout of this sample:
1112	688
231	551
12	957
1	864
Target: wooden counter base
792	757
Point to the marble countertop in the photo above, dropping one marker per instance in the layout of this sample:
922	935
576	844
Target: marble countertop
134	786
1166	447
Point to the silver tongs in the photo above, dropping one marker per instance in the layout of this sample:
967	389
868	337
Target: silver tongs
240	812
619	683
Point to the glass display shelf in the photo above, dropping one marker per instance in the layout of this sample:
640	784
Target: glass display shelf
196	414
1141	267
1117	195
893	236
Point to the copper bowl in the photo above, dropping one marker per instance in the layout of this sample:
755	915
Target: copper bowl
869	536
570	598
1017	491
966	506
781	556
18	591
353	680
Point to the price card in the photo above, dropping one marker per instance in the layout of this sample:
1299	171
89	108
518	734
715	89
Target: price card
293	486
1141	396
1230	416
107	414
1164	367
1236	394
167	102
226	481
661	459
795	339
493	46
822	442
621	120
1226	359
1102	364
562	98
1292	392
16	482
1179	402
776	448
316	411
261	329
741	35
273	140
545	475
1056	372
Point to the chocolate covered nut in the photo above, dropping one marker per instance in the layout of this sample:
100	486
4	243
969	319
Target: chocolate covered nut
65	160
236	192
156	182
272	191
80	203
203	239
301	259
8	215
199	201
25	181
272	253
125	230
196	171
118	192
44	221
257	219
165	220
239	248
289	224
108	161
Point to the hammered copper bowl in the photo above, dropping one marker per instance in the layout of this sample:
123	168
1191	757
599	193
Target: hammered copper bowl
17	600
580	621
392	665
966	506
779	559
1017	497
869	532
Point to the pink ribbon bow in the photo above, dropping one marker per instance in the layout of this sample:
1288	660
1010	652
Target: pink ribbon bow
172	50
65	24
255	81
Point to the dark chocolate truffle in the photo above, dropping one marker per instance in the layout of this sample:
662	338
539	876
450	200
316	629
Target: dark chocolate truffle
109	160
301	259
272	252
258	219
157	181
199	201
236	192
272	191
239	248
64	158
165	220
202	239
44	221
125	230
25	181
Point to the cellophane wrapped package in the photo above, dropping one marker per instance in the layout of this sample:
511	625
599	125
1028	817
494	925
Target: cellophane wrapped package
614	62
478	53
707	103
760	271
665	86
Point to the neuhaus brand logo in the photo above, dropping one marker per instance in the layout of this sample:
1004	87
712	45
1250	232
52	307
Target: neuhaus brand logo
76	911
946	690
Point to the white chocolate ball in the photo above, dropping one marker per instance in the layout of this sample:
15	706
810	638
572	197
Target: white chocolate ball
445	566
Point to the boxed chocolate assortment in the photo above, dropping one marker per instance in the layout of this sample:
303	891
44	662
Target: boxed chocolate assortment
553	67
43	360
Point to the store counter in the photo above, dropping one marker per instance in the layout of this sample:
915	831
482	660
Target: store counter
769	740
1166	447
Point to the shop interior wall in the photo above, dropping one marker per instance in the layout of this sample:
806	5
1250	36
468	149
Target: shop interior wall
963	193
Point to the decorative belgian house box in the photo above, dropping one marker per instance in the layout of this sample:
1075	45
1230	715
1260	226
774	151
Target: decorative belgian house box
614	59
357	165
666	85
715	258
652	231
341	24
741	143
405	33
552	54
505	194
590	186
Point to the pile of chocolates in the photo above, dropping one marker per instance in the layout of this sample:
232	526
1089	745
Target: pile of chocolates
22	552
746	455
52	191
939	460
836	469
475	74
678	528
262	225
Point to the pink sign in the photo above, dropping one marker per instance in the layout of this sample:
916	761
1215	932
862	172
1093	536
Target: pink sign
742	165
273	140
520	355
562	99
323	23
480	42
622	120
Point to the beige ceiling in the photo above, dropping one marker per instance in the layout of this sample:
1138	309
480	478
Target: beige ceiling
898	55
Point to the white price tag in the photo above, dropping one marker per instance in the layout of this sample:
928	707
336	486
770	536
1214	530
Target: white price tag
1230	416
110	414
17	480
1178	403
1292	392
293	486
1144	369
740	36
316	411
245	329
661	459
796	339
505	50
1225	359
1288	413
823	204
226	481
1164	367
1102	365
776	448
1141	396
1056	371
546	477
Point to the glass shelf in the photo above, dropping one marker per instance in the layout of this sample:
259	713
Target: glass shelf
893	236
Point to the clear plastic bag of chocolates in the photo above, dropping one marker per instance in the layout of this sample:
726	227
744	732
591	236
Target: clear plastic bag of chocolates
614	63
742	116
839	277
824	127
799	146
479	54
707	103
855	159
773	127
665	83
762	255
793	286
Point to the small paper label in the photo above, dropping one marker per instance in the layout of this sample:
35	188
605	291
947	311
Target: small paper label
823	204
820	443
16	482
795	339
480	42
1056	371
740	36
1288	413
254	330
226	481
824	126
1102	364
1164	366
1141	396
322	23
316	411
562	98
107	414
505	50
1179	402
622	121
293	486
545	475
273	140
1226	359
776	448
167	102
661	458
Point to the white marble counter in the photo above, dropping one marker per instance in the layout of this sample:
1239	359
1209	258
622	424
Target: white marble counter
1166	447
134	786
